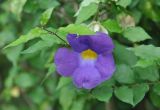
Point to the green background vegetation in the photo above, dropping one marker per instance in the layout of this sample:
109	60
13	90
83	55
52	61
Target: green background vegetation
28	78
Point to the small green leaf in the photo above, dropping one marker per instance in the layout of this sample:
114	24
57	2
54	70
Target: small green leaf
46	16
16	7
34	33
124	74
149	55
124	94
76	29
66	98
155	98
62	82
112	26
123	55
124	3
144	63
37	95
156	88
25	80
139	92
78	104
36	47
135	34
13	53
149	52
47	41
86	12
102	93
149	73
45	4
85	3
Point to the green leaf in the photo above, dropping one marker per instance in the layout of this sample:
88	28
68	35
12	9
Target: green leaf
45	4
51	70
112	26
86	3
102	93
124	3
62	82
124	94
149	74
78	104
131	95
155	98
25	80
10	79
156	88
46	16
51	39
148	52
13	54
66	98
86	12
34	33
124	74
149	55
135	34
16	7
157	2
76	29
46	42
139	92
144	63
123	55
36	47
109	83
37	95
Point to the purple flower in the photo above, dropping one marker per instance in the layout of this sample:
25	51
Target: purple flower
90	62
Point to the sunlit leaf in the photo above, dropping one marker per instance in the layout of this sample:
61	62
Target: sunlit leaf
124	3
86	12
112	26
135	34
34	33
46	16
76	29
16	7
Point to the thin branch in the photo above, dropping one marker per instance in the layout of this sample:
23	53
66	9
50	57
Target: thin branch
53	33
28	102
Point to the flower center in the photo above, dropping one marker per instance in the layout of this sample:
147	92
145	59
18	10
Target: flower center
89	54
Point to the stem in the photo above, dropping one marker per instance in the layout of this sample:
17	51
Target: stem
28	102
53	33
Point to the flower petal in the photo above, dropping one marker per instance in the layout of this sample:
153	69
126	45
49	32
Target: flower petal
101	43
86	77
66	61
105	65
78	44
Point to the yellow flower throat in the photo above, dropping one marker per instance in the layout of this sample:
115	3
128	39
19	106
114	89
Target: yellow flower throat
89	54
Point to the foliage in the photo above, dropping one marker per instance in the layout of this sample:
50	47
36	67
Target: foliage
31	31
